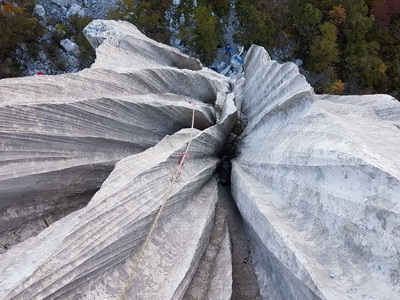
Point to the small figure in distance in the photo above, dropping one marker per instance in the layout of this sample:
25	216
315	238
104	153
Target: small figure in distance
228	50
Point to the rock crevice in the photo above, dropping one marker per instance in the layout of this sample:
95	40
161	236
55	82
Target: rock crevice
315	179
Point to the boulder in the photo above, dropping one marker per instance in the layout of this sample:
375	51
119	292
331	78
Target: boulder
42	55
70	46
125	39
39	11
75	9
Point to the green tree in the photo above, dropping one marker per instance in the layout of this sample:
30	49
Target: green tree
356	28
219	7
304	20
361	67
256	25
148	16
87	53
366	73
324	49
205	37
389	51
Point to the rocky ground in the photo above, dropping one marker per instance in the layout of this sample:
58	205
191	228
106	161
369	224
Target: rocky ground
59	51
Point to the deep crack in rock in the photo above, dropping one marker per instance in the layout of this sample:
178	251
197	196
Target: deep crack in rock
311	173
229	150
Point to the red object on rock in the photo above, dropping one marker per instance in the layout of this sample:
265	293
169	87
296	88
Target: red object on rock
40	73
183	155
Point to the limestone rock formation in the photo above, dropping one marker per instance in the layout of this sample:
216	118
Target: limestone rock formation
315	177
62	135
61	138
321	194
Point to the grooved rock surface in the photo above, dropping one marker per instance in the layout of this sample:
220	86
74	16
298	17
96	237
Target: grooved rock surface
62	136
115	132
87	159
321	193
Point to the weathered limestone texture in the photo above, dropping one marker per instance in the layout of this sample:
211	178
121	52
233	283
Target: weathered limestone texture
88	158
62	136
317	180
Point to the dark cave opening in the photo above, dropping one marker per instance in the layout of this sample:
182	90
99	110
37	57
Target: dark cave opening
228	151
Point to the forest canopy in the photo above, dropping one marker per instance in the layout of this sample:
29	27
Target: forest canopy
346	46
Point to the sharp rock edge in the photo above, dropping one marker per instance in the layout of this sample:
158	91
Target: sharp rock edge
321	192
316	179
118	129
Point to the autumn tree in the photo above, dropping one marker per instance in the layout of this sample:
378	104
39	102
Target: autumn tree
337	87
384	11
338	14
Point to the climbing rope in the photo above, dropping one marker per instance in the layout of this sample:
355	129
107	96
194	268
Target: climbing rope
174	180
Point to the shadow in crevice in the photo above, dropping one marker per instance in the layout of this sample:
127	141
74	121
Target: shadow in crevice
228	151
245	285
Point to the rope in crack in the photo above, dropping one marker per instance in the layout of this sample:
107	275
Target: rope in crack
174	180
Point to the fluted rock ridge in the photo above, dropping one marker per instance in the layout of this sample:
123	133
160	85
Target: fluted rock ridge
316	179
321	194
61	138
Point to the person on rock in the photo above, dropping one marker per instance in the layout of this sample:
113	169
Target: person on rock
228	50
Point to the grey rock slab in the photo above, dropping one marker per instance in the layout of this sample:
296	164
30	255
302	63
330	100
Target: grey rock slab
213	277
58	151
63	135
81	247
317	180
132	49
177	248
93	83
270	86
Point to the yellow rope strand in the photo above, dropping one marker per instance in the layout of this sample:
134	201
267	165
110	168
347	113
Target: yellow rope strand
149	237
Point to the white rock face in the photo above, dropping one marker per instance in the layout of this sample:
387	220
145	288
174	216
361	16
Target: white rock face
122	39
318	181
75	9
